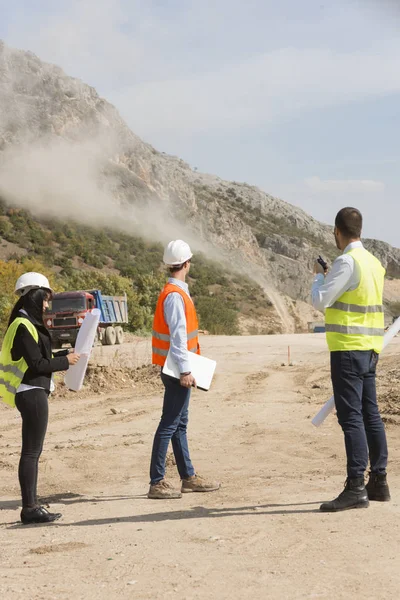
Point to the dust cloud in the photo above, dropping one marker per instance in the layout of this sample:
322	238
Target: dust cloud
59	178
62	152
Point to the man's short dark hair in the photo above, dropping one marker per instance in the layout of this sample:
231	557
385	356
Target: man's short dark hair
349	222
176	268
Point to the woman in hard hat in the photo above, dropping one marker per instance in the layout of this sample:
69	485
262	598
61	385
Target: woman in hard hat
26	368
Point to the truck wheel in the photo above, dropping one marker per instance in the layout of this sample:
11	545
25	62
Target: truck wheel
120	335
110	336
101	336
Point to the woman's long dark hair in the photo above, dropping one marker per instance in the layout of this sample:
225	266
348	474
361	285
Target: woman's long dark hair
32	303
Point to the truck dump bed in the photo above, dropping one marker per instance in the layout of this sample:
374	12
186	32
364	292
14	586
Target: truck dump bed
114	309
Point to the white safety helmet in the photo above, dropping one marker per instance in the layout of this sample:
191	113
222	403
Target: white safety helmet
176	253
31	281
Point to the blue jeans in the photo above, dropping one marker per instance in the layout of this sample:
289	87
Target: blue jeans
172	427
354	387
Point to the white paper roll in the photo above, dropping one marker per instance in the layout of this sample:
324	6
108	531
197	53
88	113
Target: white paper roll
330	405
324	412
84	344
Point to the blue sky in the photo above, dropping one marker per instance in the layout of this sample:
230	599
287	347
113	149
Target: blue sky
299	98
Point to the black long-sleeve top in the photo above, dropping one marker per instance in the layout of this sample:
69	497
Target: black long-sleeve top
38	356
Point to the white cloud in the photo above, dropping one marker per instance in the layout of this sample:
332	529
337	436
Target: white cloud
204	65
344	185
87	38
324	198
259	91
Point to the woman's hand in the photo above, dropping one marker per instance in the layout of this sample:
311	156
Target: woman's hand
73	358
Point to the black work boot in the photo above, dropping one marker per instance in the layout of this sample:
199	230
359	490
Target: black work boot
38	514
377	487
354	495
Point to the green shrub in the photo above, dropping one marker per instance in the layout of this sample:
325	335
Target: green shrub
217	318
5	227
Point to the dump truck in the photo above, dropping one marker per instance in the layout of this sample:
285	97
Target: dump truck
68	309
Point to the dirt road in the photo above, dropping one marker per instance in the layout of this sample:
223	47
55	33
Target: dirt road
261	536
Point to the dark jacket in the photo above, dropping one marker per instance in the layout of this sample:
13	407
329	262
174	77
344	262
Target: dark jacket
38	355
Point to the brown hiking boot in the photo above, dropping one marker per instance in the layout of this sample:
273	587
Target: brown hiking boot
198	484
162	490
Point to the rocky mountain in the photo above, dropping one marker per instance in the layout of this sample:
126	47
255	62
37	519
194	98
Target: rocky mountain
55	130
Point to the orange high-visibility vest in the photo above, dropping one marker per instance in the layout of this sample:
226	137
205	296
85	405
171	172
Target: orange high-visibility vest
161	335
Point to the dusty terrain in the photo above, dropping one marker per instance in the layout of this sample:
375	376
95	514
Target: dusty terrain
261	536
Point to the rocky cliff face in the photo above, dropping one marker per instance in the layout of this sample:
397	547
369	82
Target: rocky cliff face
273	241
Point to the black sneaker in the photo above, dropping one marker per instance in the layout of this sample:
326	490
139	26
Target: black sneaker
377	487
38	515
354	495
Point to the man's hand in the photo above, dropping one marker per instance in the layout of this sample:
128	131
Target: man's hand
187	380
318	268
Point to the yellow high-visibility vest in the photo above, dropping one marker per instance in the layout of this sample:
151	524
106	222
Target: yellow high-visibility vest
356	320
12	372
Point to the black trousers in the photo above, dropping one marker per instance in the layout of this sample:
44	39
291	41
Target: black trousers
34	408
354	387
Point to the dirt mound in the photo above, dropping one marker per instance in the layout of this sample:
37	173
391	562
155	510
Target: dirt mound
100	379
67	547
389	390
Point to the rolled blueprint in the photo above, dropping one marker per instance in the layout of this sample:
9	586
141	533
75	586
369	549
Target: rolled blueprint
84	344
330	405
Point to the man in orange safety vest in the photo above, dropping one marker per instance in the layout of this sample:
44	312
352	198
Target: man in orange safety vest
175	330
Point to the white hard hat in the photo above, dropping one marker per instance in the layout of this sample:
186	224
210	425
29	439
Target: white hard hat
176	253
31	281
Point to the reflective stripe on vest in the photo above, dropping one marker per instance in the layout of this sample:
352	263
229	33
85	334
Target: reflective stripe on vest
161	336
356	320
377	308
353	330
10	388
11	369
165	337
12	372
165	352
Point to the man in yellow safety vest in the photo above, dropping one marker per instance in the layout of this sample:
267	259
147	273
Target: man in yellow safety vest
351	296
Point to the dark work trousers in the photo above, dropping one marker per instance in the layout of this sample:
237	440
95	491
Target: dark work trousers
34	408
172	427
354	387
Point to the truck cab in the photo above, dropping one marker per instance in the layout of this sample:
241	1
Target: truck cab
67	311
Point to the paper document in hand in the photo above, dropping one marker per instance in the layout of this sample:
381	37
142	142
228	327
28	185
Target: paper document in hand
84	344
202	369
